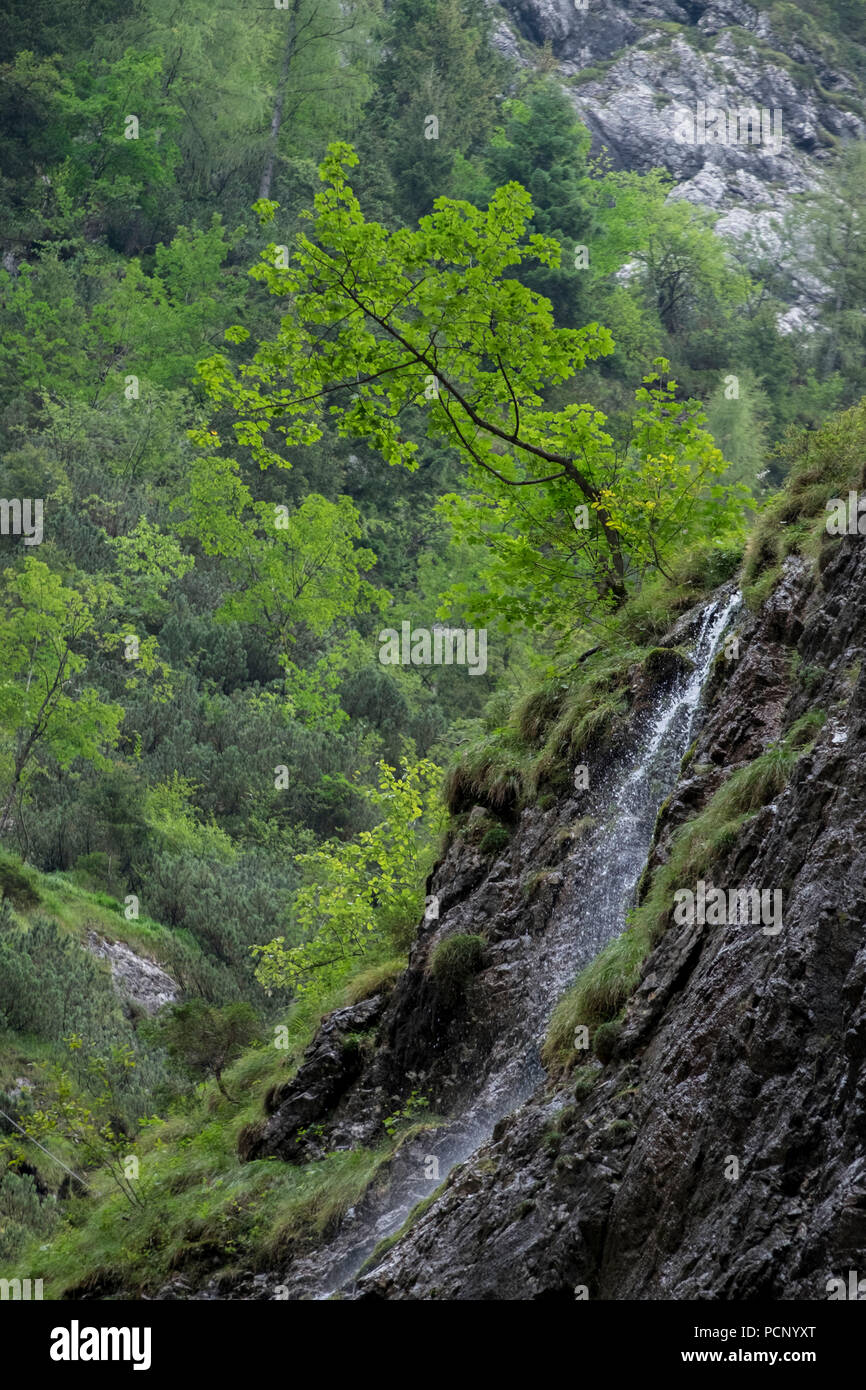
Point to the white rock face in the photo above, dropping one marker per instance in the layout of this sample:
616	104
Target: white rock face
723	55
135	978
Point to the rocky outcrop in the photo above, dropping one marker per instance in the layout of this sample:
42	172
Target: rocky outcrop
139	982
477	1045
634	68
331	1063
720	1153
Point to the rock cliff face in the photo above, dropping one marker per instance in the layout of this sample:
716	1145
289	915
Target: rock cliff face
721	1152
140	982
634	67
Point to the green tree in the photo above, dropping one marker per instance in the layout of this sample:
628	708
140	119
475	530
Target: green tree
543	147
833	223
205	1040
363	893
377	322
294	572
434	102
45	704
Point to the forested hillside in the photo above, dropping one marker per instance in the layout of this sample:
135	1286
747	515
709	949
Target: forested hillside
380	403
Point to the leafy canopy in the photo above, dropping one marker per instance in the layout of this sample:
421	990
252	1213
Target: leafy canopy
364	893
378	322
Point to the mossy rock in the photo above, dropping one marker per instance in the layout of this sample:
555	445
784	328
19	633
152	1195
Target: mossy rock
663	665
494	841
605	1039
454	963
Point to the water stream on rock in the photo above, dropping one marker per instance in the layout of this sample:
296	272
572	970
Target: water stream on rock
598	881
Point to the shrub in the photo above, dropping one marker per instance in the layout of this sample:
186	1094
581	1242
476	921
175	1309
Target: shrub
584	1081
51	986
17	882
22	1213
205	1040
494	841
453	964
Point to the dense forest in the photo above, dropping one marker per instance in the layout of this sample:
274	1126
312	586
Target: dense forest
362	424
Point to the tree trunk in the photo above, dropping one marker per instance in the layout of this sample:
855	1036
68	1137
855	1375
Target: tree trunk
277	116
218	1078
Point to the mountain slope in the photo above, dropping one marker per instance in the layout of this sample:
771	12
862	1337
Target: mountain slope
711	1142
636	69
719	1153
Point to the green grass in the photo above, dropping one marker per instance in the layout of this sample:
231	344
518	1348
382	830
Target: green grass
454	963
203	1209
374	978
80	911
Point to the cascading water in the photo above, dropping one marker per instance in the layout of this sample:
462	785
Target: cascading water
598	882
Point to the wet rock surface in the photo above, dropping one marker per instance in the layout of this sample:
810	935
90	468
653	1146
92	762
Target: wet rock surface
544	906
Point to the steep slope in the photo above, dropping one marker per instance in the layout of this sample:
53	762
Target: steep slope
520	904
699	1132
720	1152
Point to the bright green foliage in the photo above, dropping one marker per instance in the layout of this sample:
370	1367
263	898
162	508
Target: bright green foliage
378	322
365	892
44	702
254	595
409	1113
546	564
295	572
170	818
149	561
292	569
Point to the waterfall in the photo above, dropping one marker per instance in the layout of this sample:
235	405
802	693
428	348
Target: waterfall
599	879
